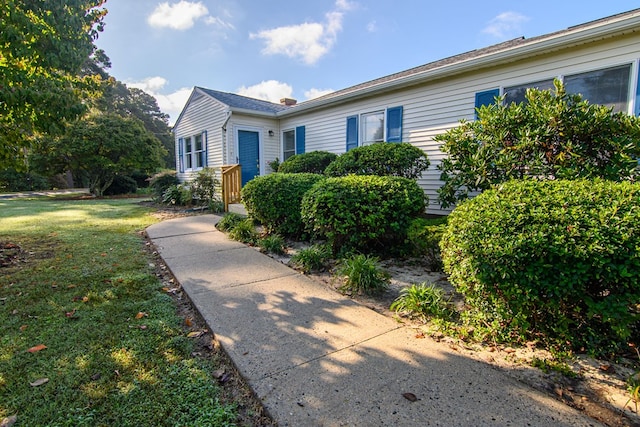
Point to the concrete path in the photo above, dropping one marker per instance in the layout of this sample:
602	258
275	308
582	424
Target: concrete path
316	358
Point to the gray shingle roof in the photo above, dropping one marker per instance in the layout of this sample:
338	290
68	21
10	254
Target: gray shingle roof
244	102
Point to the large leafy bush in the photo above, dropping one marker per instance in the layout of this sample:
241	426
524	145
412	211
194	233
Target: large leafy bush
275	199
551	259
554	135
382	159
311	162
364	213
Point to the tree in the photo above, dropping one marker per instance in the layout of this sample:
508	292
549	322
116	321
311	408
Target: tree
553	135
43	46
101	146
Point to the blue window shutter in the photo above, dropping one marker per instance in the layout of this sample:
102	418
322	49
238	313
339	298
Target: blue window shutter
394	124
181	155
300	139
205	152
352	132
487	97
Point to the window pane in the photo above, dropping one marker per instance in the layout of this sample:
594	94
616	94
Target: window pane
198	142
608	87
517	93
373	127
288	144
187	145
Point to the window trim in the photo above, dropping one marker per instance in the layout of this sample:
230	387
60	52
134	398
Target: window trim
356	125
188	160
282	150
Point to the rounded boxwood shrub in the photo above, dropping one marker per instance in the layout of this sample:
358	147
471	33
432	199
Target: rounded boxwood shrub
122	184
161	181
311	162
360	212
557	260
382	159
275	199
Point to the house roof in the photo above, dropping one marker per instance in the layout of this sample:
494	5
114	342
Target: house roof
489	56
239	102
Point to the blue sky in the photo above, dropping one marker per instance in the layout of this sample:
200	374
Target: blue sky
270	49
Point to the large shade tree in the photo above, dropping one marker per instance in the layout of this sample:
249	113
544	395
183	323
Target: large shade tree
44	45
101	146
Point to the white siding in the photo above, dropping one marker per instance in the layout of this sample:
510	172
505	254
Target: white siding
202	114
435	107
269	145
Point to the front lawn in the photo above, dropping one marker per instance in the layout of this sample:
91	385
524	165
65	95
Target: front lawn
90	335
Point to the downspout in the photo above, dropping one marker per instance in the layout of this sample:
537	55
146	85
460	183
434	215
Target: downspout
225	146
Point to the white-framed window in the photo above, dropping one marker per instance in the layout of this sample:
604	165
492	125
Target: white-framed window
372	127
517	93
288	144
607	86
192	152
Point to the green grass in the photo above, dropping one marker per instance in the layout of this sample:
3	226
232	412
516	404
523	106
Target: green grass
104	366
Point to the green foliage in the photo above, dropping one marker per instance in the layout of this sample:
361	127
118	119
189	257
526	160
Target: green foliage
363	275
43	46
312	259
633	383
245	232
272	243
274	164
362	212
423	239
161	181
229	221
311	162
13	180
100	147
554	135
275	199
382	159
204	186
423	301
552	259
548	366
179	195
121	184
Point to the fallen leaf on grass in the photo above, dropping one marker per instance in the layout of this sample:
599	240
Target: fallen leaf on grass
195	334
39	382
70	313
187	321
23	327
410	397
37	348
420	335
85	299
141	314
9	421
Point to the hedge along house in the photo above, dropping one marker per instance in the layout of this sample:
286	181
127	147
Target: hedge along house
598	59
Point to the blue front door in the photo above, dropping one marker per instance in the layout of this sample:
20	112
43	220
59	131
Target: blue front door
249	154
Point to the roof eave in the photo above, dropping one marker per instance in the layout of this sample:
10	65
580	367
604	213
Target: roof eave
536	47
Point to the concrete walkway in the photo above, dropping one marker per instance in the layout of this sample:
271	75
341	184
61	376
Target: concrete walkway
316	358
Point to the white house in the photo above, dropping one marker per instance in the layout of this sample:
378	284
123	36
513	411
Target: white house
599	59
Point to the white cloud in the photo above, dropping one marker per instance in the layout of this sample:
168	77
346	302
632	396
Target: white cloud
269	90
183	15
171	103
505	25
316	93
309	41
372	27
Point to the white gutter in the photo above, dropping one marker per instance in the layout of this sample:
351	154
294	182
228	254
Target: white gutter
566	39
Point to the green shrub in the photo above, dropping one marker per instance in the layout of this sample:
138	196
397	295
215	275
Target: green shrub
423	301
423	239
122	184
311	162
161	181
272	243
365	213
177	195
245	232
204	187
274	200
312	259
554	135
12	180
554	259
382	159
363	275
229	221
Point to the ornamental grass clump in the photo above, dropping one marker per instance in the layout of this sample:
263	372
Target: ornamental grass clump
423	301
363	275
